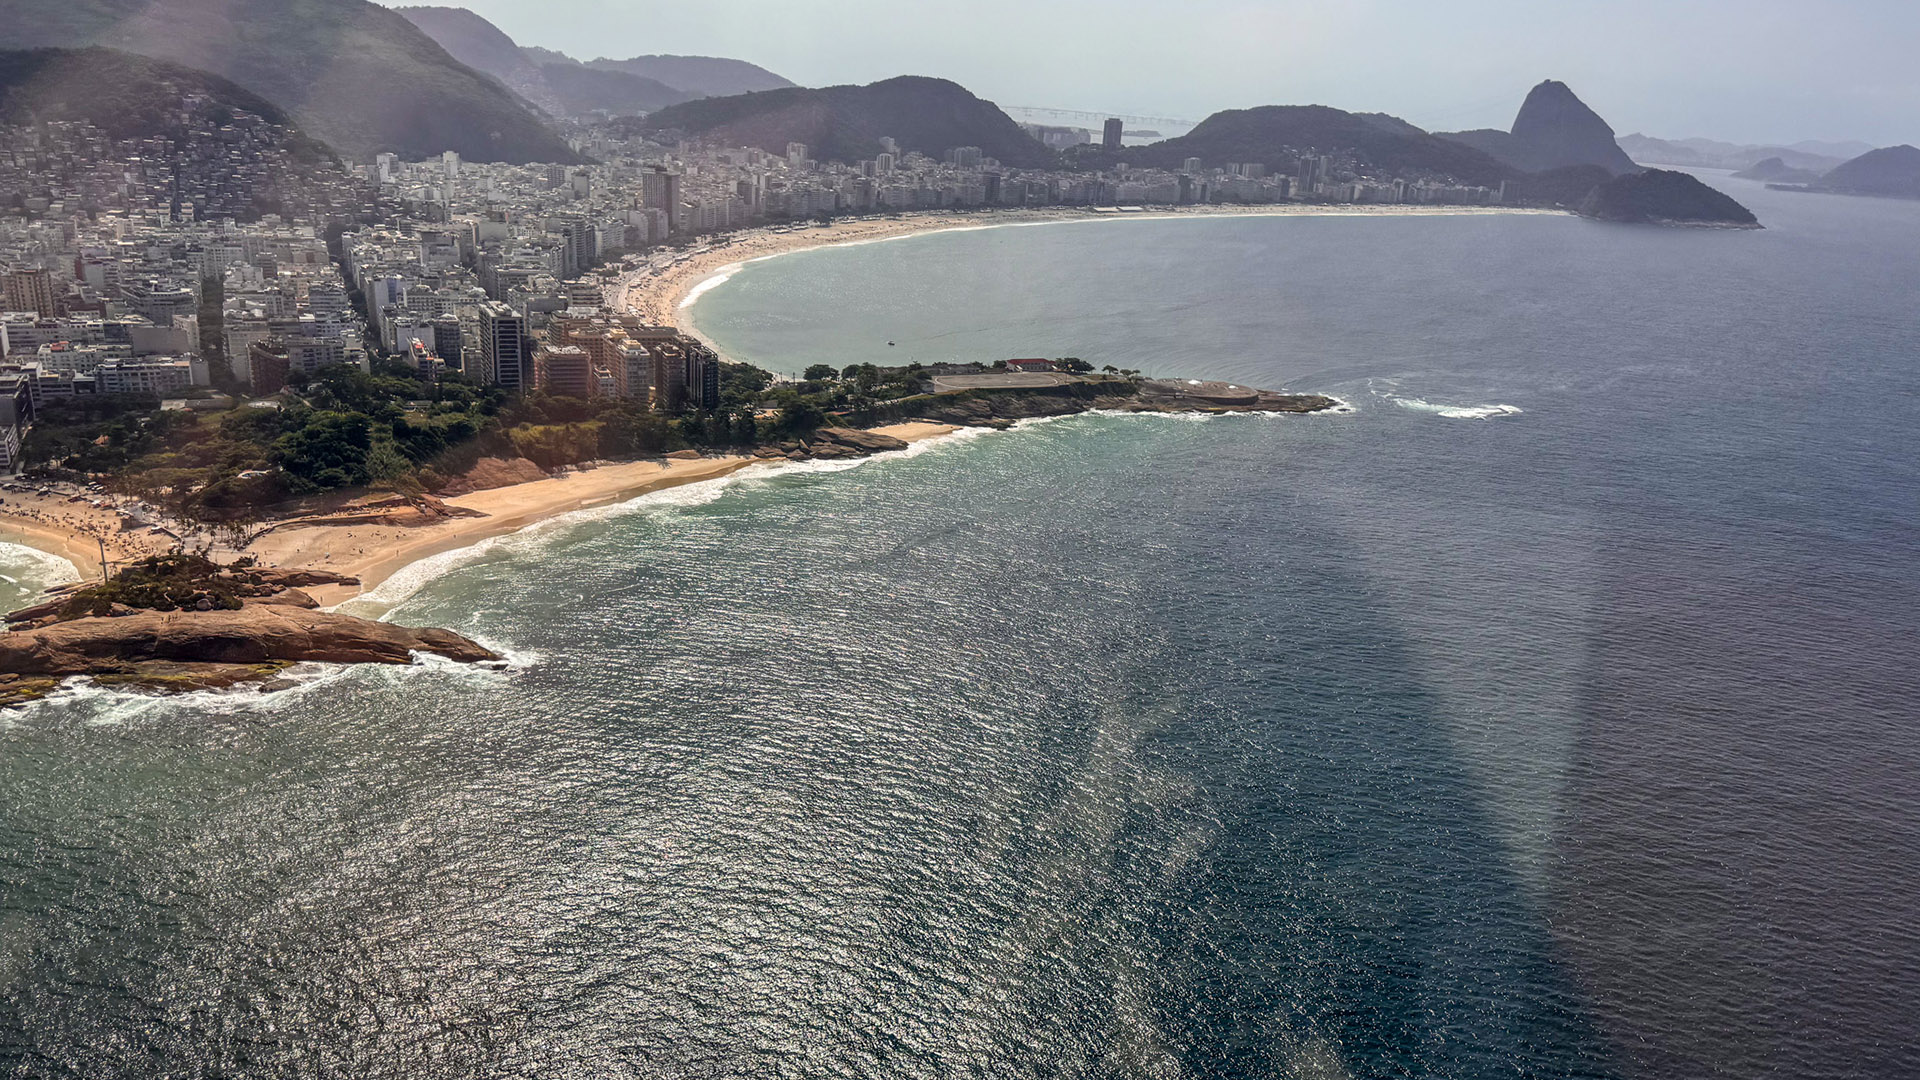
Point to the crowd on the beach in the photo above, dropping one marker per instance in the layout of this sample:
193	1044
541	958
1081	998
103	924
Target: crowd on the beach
84	527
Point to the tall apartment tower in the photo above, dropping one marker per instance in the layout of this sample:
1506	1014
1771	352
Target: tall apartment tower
669	377
446	340
703	375
660	189
504	348
30	290
1111	139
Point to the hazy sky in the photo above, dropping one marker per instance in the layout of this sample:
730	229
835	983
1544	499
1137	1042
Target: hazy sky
1742	70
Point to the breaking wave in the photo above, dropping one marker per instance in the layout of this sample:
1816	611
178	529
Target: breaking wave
1458	412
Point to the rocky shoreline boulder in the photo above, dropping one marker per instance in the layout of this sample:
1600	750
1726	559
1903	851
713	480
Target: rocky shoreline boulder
254	635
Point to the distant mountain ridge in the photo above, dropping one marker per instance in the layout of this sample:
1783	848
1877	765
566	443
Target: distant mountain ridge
355	75
846	123
1554	130
480	45
699	76
1276	136
1709	154
563	86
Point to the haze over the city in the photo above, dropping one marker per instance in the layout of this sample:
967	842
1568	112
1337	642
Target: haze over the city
1765	71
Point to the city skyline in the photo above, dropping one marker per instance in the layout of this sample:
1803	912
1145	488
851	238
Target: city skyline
1767	72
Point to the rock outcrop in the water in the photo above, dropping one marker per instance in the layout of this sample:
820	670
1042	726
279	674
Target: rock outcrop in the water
1659	197
1554	130
254	635
181	622
1893	171
1000	407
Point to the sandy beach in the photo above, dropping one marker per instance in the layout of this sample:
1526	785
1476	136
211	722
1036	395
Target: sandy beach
662	298
74	531
375	553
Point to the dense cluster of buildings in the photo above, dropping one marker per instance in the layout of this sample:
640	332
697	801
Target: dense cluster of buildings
148	267
202	164
709	189
500	272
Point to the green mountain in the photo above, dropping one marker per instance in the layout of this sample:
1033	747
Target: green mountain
846	123
1554	130
354	74
698	76
1659	197
1278	135
1893	171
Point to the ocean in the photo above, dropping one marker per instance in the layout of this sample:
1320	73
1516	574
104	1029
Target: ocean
1550	714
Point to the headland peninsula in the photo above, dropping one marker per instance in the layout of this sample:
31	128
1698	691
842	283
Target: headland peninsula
193	603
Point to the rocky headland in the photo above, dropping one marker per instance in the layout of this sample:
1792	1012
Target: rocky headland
1001	407
180	622
998	406
1661	197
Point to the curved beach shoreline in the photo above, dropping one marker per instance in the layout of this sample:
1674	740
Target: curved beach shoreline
376	553
667	297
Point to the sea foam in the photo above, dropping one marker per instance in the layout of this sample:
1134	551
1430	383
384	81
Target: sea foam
35	568
415	576
719	278
1458	412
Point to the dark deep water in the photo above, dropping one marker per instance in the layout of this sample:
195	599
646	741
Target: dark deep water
1431	741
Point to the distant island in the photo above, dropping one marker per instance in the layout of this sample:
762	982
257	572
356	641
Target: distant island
1776	171
1892	172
